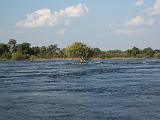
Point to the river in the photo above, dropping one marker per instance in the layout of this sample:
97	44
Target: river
62	90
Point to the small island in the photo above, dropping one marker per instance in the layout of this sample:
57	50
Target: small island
76	51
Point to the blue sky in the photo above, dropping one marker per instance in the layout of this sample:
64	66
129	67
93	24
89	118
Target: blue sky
107	24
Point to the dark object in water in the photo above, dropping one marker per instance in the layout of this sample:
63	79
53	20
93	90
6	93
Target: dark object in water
90	62
82	62
99	62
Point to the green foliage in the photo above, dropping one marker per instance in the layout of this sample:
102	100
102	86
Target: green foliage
79	50
96	52
5	55
62	53
24	51
3	48
12	45
32	57
134	52
24	48
43	52
35	51
18	56
157	55
52	51
115	53
148	52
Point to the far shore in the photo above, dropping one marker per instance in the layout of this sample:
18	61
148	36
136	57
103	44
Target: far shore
76	59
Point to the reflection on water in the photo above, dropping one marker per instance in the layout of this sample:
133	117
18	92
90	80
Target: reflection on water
61	90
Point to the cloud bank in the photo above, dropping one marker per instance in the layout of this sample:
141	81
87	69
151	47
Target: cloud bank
138	24
139	20
155	10
46	17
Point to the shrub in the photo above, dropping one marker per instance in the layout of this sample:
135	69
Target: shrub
18	56
5	56
32	57
157	55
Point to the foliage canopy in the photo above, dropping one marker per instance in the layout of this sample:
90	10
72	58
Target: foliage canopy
23	51
79	50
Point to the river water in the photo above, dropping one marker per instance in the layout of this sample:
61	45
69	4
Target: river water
62	90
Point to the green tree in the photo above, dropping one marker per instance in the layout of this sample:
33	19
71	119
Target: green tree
3	48
12	45
43	52
96	52
79	50
52	48
148	52
24	48
129	53
114	53
157	55
35	51
6	55
52	51
62	53
18	56
133	52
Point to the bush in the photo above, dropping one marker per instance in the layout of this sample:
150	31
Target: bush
32	57
18	56
157	55
5	56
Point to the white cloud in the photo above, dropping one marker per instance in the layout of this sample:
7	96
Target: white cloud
39	18
130	31
139	2
45	17
139	20
74	11
155	10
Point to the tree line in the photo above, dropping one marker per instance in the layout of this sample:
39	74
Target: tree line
24	51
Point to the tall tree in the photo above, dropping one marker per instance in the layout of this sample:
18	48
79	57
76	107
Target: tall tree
24	48
35	50
135	51
3	48
148	52
12	45
96	52
79	50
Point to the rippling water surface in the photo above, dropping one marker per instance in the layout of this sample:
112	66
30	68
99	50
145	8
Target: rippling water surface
61	90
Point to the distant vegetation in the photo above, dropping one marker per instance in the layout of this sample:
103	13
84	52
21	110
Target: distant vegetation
24	51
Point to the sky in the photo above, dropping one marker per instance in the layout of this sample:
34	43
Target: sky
106	24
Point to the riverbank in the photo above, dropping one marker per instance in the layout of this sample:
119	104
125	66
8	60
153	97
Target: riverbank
76	59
